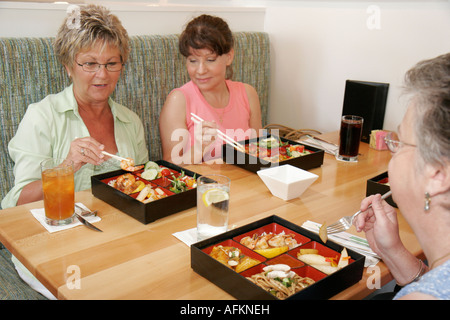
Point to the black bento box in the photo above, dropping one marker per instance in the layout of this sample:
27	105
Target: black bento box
145	212
379	184
251	163
236	284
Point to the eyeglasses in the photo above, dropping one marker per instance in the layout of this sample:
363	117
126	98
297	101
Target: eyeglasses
394	144
94	66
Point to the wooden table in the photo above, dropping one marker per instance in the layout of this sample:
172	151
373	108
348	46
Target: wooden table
130	260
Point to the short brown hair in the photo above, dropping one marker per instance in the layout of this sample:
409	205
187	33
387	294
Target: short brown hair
90	24
206	32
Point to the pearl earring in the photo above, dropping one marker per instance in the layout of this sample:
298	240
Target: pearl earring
427	201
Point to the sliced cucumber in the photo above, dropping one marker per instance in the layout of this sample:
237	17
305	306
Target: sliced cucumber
151	165
150	174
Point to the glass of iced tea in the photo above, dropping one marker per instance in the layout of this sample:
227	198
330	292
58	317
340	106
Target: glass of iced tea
213	197
58	187
349	138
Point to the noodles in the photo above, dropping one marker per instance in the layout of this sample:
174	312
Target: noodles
280	283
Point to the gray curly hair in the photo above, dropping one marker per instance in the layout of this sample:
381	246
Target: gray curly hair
429	84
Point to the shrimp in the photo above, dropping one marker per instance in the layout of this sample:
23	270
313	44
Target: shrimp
277	241
290	241
282	239
262	243
128	165
126	183
249	242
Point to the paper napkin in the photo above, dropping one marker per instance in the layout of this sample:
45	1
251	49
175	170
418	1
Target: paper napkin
39	214
320	144
350	241
187	236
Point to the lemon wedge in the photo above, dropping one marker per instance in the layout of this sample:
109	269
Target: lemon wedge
214	195
139	186
272	252
323	234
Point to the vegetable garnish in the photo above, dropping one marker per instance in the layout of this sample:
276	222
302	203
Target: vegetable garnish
183	183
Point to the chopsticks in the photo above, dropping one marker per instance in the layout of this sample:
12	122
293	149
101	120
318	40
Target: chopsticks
114	156
196	119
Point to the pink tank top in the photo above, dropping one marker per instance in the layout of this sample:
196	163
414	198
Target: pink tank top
233	120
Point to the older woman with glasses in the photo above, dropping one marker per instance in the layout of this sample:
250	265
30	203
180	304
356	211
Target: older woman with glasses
419	176
82	121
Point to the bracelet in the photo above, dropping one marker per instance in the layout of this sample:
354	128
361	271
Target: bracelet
417	276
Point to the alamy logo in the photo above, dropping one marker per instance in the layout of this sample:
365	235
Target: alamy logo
73	19
373	22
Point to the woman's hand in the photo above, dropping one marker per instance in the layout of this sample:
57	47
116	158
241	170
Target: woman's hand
205	134
85	150
380	224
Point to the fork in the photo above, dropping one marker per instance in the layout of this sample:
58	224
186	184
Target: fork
346	222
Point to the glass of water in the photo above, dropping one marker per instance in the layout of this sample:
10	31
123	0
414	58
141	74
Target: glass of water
213	197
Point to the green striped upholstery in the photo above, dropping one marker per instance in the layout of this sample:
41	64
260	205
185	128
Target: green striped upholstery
12	287
29	71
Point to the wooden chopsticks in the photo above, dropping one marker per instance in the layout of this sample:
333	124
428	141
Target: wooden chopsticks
114	156
196	119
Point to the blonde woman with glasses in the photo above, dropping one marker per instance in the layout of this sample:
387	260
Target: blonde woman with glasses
419	176
80	122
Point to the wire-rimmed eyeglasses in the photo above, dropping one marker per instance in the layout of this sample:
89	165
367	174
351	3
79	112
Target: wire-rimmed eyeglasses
394	144
94	66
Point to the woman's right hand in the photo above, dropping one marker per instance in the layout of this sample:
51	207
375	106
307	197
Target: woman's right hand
205	134
85	150
379	223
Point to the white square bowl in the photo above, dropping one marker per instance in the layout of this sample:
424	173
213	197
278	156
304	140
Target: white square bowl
287	182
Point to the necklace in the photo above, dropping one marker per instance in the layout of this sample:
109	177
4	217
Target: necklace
219	114
220	102
439	259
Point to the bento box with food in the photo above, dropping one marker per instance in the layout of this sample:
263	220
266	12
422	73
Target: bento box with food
274	259
271	150
159	189
380	184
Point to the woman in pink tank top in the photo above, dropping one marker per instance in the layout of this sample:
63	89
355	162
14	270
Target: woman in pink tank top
233	107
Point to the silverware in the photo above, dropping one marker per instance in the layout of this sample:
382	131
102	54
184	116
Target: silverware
361	242
315	142
87	223
322	140
364	252
86	213
346	222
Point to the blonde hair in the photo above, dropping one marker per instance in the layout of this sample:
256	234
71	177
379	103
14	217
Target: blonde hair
87	26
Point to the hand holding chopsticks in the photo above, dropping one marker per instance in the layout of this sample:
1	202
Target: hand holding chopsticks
125	163
196	119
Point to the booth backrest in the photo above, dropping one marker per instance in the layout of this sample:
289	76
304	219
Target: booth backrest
29	71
